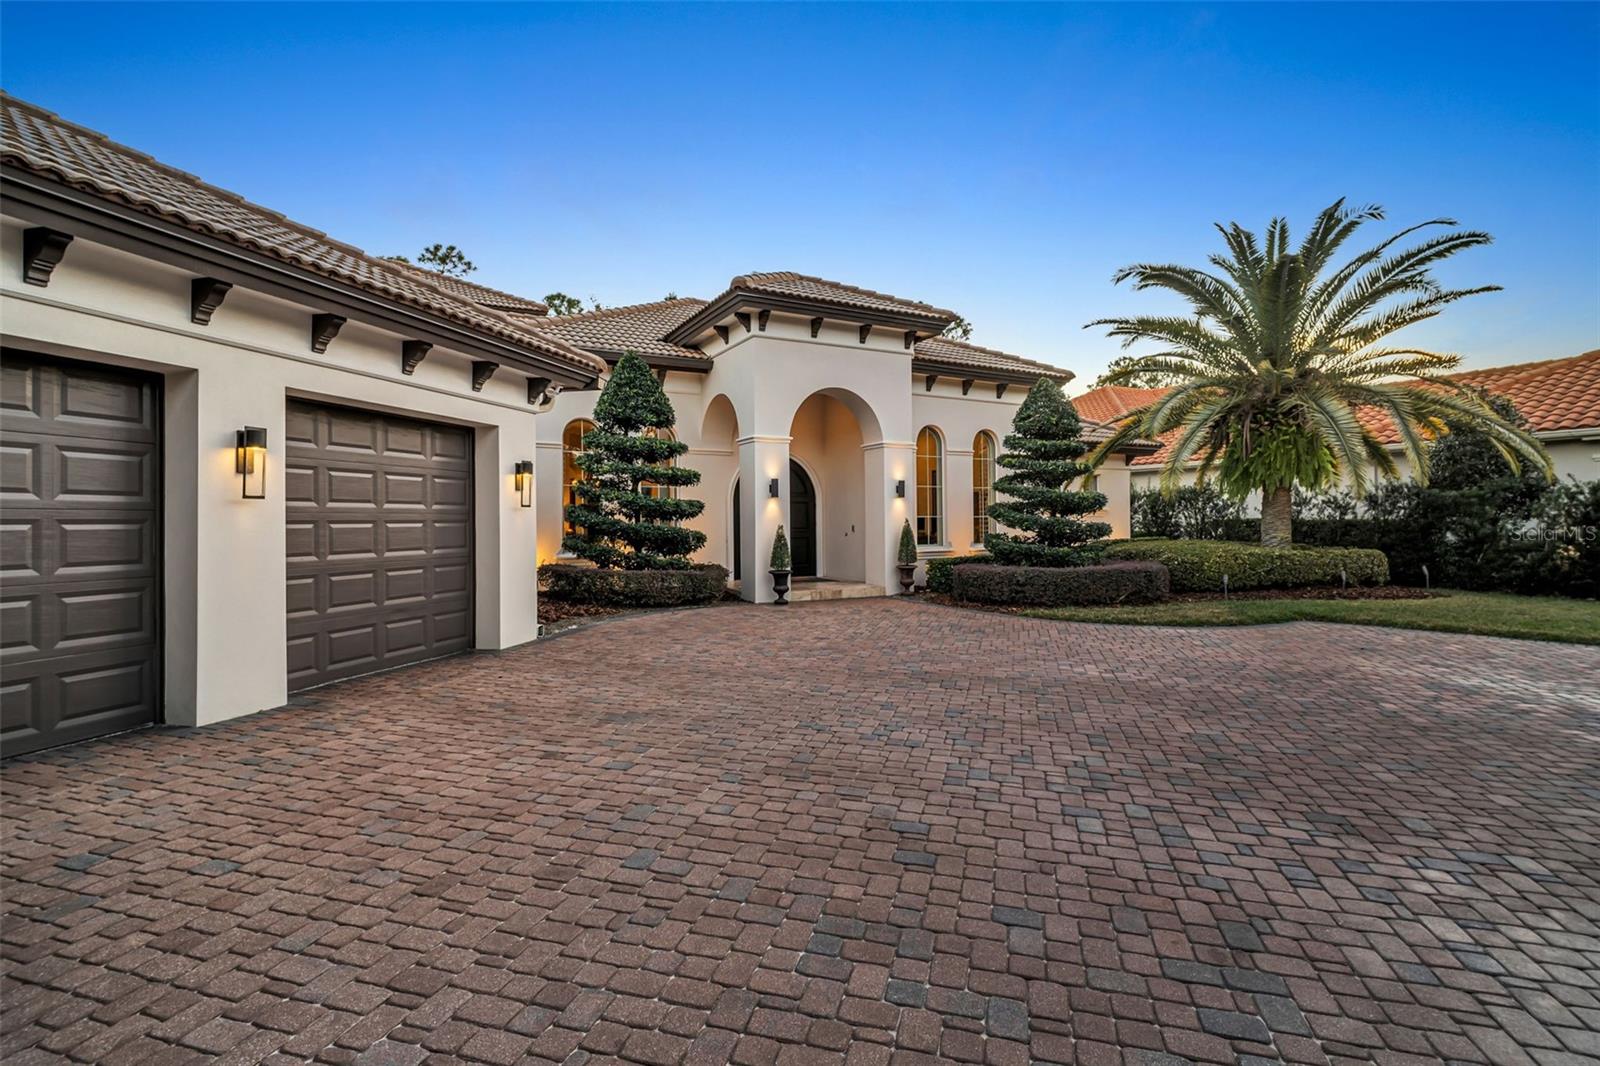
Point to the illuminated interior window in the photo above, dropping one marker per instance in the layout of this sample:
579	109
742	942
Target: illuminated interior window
982	485
930	487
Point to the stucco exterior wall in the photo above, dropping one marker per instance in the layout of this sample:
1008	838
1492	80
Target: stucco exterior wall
224	557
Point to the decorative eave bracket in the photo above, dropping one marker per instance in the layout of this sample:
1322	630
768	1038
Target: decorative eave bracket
538	390
482	371
911	338
1000	390
42	249
966	386
816	326
866	331
722	331
323	329
761	319
928	384
744	319
412	353
205	296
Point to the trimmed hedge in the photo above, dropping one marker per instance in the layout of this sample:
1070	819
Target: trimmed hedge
1198	565
1065	586
940	578
703	583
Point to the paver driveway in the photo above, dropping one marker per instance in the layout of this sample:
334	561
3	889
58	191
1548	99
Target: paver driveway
867	831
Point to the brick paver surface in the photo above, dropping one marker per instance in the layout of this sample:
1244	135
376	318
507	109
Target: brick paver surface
861	832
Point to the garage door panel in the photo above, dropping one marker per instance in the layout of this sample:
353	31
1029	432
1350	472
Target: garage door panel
368	536
79	550
299	484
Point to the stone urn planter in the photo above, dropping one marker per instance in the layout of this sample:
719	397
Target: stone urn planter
907	559
779	568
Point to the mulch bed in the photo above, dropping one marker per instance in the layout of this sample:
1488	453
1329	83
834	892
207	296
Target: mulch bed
559	615
1377	592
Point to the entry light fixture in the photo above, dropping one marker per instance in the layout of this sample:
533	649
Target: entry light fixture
772	488
900	488
525	481
250	461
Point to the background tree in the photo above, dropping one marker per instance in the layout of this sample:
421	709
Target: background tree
960	330
562	304
444	258
1125	373
1283	347
621	525
1042	453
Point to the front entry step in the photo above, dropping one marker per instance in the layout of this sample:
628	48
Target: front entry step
805	590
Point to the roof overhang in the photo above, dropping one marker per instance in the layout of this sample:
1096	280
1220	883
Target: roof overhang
943	369
44	202
724	306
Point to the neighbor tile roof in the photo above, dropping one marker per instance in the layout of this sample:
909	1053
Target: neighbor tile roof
1108	403
1554	395
482	295
807	287
963	353
635	328
43	143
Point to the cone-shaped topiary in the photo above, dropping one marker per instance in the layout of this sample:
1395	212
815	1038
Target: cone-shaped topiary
908	545
1042	453
621	524
780	552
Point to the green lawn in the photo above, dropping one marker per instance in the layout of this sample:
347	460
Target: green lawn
1488	613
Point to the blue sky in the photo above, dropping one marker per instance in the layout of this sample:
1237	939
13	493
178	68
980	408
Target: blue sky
1002	160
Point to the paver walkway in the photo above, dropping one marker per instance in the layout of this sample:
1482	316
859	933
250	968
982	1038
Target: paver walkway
870	831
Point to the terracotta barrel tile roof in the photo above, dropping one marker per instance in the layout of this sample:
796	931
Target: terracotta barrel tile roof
482	295
963	353
42	143
635	328
807	287
1110	402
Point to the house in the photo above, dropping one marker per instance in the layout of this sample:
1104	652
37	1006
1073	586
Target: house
1560	398
242	459
836	411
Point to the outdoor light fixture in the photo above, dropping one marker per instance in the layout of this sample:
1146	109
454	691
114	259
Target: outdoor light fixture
525	481
772	488
250	461
900	488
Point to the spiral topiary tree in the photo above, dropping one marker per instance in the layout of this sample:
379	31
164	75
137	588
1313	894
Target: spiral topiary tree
1042	452
621	524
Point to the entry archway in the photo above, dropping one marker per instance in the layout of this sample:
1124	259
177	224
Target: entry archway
802	530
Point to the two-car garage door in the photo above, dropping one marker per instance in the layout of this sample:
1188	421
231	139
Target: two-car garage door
379	532
379	541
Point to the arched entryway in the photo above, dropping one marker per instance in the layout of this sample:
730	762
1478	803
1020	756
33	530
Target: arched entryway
802	531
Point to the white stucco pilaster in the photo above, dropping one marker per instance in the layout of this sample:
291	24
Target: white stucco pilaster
761	459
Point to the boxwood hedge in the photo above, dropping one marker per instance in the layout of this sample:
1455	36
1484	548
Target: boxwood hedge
1198	565
572	583
1065	586
940	578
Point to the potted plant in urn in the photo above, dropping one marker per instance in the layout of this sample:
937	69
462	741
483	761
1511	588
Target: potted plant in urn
907	558
779	567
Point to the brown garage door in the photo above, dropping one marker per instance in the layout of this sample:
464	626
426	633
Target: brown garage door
379	541
80	551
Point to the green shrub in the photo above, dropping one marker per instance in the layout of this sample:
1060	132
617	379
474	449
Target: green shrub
908	545
1199	565
780	552
702	583
940	578
1071	586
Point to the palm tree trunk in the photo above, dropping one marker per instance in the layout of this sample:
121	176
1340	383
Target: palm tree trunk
1277	518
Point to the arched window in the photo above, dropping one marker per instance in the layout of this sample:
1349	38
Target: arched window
650	488
930	487
571	448
982	485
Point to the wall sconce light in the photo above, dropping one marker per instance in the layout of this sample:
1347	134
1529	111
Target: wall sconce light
772	488
900	488
250	461
525	481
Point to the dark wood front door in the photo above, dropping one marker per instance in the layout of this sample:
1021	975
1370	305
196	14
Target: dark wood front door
802	530
379	512
80	550
802	521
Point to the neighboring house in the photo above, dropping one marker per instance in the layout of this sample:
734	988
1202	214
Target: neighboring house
149	320
242	459
1560	398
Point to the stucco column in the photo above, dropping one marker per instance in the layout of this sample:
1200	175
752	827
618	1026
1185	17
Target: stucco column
761	458
887	463
506	533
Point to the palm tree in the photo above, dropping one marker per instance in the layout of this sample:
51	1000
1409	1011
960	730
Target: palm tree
1283	349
